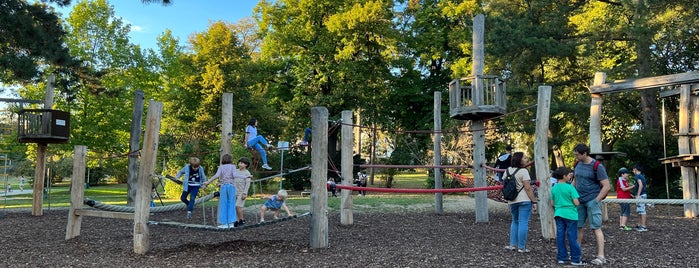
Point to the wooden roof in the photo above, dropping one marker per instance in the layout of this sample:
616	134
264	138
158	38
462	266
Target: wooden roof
647	82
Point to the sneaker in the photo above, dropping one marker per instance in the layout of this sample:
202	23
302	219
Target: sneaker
267	167
641	229
581	263
523	250
277	217
269	146
223	226
599	261
625	228
242	222
189	214
262	220
561	262
304	143
510	248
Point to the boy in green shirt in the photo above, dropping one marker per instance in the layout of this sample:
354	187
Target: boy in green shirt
564	199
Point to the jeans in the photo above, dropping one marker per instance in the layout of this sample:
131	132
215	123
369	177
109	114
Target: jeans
255	143
226	205
306	134
520	223
192	191
566	228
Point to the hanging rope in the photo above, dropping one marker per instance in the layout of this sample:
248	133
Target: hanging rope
651	201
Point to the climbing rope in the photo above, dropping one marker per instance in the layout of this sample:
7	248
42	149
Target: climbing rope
651	201
115	208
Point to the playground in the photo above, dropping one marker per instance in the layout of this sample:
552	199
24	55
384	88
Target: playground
407	237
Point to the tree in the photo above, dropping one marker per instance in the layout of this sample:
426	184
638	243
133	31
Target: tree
31	37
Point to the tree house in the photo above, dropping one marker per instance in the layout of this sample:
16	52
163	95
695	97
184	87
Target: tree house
43	126
478	97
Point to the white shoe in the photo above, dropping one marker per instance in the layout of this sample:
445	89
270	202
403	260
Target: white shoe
267	167
224	226
262	220
304	143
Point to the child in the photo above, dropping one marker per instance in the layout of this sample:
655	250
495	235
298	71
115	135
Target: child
623	191
564	199
275	203
227	217
242	186
193	176
640	194
332	187
252	140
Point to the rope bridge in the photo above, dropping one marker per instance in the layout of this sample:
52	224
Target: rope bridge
115	208
217	229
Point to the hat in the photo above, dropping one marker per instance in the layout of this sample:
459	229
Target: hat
508	147
623	170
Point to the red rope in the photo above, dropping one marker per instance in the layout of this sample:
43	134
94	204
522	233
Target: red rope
412	166
418	191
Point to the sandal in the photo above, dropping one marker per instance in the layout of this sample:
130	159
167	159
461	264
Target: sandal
599	261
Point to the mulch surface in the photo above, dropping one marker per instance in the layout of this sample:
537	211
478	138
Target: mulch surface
400	239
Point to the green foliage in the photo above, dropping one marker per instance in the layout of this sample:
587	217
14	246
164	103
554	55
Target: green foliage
31	36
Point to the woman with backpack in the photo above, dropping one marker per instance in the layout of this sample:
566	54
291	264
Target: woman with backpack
521	207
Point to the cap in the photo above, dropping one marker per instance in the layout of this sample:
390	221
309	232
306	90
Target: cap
623	170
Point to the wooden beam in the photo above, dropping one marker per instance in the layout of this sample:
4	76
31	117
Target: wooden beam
319	173
77	191
646	82
104	214
146	169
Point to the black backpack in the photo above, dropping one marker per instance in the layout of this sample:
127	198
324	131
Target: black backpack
509	186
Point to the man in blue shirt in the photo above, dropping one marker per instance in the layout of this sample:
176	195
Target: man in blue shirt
592	185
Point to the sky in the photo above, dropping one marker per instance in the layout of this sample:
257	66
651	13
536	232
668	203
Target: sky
182	17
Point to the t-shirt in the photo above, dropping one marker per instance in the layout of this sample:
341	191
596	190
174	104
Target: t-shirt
522	176
241	181
274	203
588	188
194	179
563	195
621	194
252	132
640	177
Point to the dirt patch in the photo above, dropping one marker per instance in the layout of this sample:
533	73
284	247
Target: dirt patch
408	237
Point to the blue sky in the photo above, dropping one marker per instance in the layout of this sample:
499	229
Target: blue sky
182	17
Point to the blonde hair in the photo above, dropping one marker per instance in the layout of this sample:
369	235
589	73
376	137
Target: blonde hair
282	193
194	161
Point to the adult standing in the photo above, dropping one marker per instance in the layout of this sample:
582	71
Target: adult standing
253	140
640	194
193	177
520	208
592	185
504	161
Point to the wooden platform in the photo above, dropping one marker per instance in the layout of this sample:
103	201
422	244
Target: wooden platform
682	160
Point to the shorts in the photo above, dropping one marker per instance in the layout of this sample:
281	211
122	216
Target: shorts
641	207
592	210
625	209
239	201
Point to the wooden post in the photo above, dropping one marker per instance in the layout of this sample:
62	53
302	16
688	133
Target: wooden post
141	241
689	174
346	204
438	197
40	169
134	146
477	126
226	123
77	189
541	160
596	115
694	149
319	173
